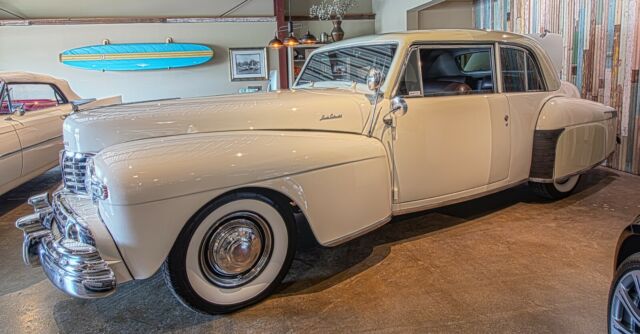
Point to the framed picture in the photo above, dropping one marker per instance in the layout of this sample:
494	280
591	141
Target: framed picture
248	64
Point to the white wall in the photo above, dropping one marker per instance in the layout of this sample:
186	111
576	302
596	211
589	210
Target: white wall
391	15
36	49
449	14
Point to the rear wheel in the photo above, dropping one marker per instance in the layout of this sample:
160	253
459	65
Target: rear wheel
232	254
557	189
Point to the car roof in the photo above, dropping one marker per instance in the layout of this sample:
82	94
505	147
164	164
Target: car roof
28	77
407	38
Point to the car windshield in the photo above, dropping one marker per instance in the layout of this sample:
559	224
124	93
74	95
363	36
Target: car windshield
346	66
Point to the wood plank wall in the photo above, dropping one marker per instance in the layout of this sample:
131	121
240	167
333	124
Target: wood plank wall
601	53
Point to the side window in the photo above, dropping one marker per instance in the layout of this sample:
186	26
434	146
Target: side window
520	72
513	75
410	80
456	70
534	80
33	96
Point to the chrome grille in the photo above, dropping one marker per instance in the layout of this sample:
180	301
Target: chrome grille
74	171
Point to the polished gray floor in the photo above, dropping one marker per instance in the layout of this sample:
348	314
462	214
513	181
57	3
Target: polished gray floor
504	263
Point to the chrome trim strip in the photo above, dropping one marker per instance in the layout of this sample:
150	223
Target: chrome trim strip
41	143
6	155
358	233
403	211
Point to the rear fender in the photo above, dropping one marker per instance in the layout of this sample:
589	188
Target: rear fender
572	135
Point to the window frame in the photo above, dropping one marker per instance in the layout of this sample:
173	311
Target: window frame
527	53
421	46
56	91
365	44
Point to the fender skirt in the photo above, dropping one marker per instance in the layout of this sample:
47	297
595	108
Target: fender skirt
544	154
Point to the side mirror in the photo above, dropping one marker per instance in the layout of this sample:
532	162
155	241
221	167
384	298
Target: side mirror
374	79
399	107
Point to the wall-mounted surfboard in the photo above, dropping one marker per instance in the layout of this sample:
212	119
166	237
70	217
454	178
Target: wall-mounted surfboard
137	57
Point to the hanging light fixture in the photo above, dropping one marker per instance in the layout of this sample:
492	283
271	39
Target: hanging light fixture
290	40
308	38
275	43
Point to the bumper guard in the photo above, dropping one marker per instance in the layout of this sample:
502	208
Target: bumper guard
54	239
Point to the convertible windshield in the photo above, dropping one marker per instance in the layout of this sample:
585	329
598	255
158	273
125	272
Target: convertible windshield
349	64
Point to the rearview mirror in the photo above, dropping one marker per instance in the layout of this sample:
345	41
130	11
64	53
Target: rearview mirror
374	79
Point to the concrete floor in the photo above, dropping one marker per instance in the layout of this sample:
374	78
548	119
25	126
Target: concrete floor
504	263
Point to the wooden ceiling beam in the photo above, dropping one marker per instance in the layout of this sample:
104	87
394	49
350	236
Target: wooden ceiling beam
131	20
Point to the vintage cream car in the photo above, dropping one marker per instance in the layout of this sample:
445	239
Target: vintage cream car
212	190
33	107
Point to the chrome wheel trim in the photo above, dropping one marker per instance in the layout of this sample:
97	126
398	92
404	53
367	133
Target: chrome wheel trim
236	249
567	184
625	310
212	293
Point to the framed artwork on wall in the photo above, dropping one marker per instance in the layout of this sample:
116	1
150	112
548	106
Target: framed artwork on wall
248	64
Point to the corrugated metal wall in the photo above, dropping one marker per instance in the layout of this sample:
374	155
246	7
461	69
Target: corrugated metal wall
601	56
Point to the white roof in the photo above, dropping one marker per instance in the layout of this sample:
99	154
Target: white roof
27	77
407	38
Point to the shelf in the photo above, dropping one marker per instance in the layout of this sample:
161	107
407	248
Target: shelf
345	18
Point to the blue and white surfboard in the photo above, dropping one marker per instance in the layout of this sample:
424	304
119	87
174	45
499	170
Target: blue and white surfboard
137	57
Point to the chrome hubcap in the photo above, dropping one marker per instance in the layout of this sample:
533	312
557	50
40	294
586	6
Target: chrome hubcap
236	249
625	309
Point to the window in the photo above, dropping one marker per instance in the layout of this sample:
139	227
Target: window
534	80
33	96
474	61
520	72
350	64
448	71
410	80
513	77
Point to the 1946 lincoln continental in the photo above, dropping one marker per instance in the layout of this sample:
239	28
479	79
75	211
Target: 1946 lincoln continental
212	190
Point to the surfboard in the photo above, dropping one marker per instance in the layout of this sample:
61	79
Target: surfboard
137	57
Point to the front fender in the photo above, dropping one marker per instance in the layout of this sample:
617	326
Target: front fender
156	169
341	182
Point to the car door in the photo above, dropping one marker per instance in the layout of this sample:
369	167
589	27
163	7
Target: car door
10	151
39	124
525	89
454	139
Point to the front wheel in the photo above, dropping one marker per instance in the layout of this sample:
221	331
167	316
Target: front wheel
232	254
557	189
624	313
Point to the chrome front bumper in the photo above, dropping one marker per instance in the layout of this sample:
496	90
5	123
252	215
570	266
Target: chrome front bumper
59	240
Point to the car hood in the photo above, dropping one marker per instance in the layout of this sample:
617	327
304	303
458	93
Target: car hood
306	109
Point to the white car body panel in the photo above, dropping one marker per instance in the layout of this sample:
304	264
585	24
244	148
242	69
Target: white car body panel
163	161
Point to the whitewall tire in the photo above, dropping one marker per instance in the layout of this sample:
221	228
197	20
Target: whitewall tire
233	253
557	189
